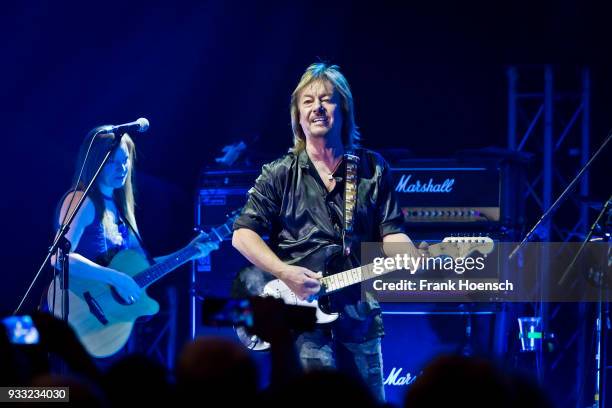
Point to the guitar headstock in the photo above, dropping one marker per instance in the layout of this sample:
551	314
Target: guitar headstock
460	247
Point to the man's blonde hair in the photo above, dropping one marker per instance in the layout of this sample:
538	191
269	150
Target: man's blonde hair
323	72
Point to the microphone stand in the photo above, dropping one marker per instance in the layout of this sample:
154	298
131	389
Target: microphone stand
607	207
62	244
602	322
560	199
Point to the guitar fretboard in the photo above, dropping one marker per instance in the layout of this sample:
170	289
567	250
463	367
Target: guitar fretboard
157	271
350	277
454	247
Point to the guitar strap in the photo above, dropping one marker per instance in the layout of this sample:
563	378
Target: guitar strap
350	199
137	235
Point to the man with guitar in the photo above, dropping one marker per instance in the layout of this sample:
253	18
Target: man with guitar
109	269
325	193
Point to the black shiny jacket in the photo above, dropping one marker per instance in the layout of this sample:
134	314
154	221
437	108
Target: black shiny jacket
290	204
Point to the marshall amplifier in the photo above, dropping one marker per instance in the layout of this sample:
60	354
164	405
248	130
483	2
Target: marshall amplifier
413	340
221	192
449	191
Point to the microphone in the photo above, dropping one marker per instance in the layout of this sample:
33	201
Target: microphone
140	125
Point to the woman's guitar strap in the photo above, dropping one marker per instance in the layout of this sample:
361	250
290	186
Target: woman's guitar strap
137	235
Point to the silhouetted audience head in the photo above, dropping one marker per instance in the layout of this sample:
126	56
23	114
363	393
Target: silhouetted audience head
458	381
472	382
220	372
137	380
218	368
324	388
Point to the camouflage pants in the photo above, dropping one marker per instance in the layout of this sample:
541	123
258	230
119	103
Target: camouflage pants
318	350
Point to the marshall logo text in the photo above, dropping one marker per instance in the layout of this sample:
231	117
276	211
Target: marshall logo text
405	185
396	378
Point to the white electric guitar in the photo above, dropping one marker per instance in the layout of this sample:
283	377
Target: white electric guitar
331	262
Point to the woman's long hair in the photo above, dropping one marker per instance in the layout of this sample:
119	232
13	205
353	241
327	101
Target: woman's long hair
90	156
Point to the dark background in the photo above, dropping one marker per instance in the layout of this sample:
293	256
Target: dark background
429	78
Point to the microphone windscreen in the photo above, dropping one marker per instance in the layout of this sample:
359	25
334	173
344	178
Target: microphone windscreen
143	124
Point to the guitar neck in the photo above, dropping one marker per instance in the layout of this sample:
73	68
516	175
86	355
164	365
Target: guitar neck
341	280
453	247
363	273
161	269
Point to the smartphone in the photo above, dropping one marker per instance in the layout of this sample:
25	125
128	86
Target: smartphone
227	312
21	330
241	312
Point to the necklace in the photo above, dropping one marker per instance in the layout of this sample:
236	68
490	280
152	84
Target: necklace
106	197
330	175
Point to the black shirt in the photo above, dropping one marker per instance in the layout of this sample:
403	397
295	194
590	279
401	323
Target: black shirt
290	203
